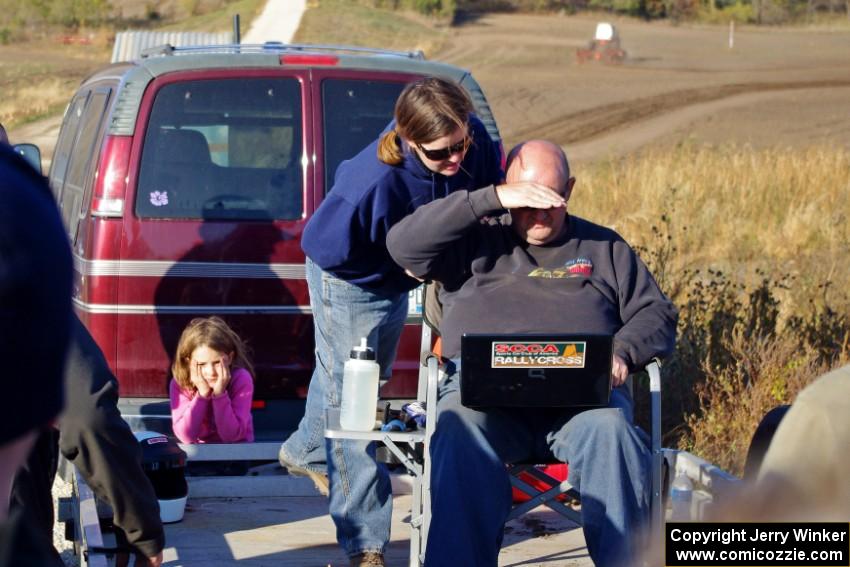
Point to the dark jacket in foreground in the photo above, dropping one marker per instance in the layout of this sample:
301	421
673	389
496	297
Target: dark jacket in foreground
94	436
35	315
35	298
589	280
346	236
24	544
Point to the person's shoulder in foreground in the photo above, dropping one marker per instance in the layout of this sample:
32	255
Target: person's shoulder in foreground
35	296
35	318
808	458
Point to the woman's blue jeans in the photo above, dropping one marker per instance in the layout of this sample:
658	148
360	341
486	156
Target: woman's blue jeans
360	492
609	463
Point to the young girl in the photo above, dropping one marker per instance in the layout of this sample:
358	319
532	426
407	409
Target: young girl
213	385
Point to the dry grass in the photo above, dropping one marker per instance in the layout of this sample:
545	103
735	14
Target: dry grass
785	211
346	23
29	101
752	247
38	77
766	373
217	17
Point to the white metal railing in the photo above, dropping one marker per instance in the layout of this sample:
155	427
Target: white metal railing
87	524
711	484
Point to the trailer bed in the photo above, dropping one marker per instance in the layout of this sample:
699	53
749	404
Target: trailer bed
296	531
277	520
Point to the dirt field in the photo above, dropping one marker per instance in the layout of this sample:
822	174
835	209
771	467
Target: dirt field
775	87
786	87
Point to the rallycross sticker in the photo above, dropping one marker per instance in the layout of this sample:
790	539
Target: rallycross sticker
558	354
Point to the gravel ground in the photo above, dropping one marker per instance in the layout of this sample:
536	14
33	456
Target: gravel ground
65	548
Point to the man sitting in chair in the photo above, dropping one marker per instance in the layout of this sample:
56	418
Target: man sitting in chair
512	260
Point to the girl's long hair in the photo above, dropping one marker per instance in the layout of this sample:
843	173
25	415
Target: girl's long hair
427	109
213	333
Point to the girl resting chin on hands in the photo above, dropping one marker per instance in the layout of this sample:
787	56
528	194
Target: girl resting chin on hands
213	385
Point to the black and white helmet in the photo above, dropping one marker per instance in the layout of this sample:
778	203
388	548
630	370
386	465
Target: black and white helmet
164	463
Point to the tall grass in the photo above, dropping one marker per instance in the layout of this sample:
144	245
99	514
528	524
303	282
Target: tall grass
349	23
29	102
217	19
733	205
38	74
38	77
752	246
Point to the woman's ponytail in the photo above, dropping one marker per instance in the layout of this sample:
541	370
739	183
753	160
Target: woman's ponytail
389	150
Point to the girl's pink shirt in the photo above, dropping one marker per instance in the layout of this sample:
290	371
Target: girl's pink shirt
223	419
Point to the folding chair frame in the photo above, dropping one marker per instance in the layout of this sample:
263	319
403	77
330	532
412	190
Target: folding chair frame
550	496
412	447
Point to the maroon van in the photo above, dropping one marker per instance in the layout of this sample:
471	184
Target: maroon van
185	179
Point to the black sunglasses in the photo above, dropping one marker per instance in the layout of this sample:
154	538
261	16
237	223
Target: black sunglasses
445	153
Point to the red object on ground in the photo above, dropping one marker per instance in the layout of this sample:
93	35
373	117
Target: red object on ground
75	39
558	472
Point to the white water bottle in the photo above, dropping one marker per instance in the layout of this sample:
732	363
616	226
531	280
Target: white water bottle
359	389
681	494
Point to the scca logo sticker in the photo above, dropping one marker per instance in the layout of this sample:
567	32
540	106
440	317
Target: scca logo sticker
557	354
534	348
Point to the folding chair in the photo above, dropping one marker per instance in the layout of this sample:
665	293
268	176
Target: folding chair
411	448
551	496
521	474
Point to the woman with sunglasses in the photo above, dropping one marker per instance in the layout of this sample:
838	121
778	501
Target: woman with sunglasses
434	146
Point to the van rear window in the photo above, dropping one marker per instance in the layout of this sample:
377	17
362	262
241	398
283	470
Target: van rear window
223	149
355	112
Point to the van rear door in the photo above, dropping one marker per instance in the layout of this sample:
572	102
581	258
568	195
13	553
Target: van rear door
217	201
355	108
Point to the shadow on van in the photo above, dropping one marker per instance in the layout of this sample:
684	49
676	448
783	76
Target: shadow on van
229	272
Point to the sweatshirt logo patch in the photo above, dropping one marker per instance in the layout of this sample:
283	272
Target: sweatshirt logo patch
567	354
575	268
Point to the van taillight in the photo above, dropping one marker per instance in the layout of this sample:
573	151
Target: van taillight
305	59
110	182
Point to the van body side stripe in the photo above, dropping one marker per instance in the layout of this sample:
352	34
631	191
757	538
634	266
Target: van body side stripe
107	309
160	268
127	309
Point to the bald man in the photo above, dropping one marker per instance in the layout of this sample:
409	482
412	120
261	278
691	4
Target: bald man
512	259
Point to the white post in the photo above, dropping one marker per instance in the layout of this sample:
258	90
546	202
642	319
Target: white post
731	34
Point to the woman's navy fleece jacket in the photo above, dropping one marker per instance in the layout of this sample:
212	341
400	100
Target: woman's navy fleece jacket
346	236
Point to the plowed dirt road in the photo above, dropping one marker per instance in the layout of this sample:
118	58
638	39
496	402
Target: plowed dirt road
775	87
786	87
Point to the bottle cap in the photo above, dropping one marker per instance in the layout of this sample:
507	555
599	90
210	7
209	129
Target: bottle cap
362	351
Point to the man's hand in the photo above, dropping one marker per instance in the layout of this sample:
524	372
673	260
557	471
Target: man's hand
123	560
619	371
528	194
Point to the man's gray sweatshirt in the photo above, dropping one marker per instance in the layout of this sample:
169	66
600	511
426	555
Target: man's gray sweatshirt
588	280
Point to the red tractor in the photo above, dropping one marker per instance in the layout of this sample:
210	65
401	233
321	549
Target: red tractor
605	46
